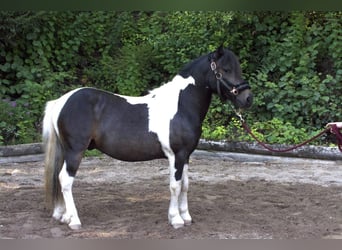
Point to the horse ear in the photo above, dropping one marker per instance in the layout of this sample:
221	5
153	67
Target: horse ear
219	51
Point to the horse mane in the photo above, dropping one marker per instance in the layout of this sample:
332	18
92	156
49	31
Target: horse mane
189	68
169	87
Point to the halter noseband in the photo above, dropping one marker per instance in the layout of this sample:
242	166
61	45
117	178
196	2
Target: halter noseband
234	90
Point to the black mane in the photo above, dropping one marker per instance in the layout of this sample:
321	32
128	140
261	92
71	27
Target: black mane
195	67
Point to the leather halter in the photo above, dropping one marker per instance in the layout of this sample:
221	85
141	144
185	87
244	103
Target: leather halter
233	90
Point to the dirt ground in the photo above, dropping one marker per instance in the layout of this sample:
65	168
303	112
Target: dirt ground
231	196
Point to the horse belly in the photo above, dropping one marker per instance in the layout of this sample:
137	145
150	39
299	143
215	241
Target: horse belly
133	148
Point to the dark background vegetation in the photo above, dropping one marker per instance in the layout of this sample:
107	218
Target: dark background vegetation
291	59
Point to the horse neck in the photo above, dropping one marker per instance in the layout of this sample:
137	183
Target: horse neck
195	100
198	97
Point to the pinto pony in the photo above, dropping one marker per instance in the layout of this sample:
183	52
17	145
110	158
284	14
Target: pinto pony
166	123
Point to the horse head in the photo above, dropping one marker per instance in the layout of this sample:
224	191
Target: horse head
226	78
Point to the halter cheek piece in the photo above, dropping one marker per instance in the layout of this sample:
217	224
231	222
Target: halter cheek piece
234	90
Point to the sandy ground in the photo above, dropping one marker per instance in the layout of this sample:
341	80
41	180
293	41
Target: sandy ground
231	196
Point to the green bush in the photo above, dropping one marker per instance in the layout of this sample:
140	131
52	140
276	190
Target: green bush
15	122
298	79
291	59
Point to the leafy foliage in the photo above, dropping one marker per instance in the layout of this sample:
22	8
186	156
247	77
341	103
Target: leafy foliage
291	59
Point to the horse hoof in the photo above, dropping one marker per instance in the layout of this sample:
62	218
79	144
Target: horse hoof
176	221
186	218
187	222
57	217
75	227
177	225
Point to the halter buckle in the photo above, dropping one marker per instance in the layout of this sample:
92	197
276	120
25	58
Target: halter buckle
234	91
213	66
218	76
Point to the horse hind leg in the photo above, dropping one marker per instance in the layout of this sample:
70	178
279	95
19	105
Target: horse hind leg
66	178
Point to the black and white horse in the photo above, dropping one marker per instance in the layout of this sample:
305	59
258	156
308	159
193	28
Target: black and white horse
166	123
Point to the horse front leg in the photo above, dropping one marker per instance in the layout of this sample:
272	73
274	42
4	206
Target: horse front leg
179	183
175	188
183	198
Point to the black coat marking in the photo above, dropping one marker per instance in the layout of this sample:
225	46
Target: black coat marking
116	126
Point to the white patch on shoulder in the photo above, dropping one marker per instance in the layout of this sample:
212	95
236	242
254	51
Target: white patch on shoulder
163	105
53	109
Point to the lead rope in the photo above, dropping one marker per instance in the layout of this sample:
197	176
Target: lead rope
334	129
337	131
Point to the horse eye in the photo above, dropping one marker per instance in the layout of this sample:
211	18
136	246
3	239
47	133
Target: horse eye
227	70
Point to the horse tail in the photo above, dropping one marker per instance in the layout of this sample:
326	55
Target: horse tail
53	157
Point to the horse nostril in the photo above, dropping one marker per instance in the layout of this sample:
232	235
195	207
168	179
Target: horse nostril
249	100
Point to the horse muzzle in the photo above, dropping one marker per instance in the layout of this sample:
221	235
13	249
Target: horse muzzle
244	100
